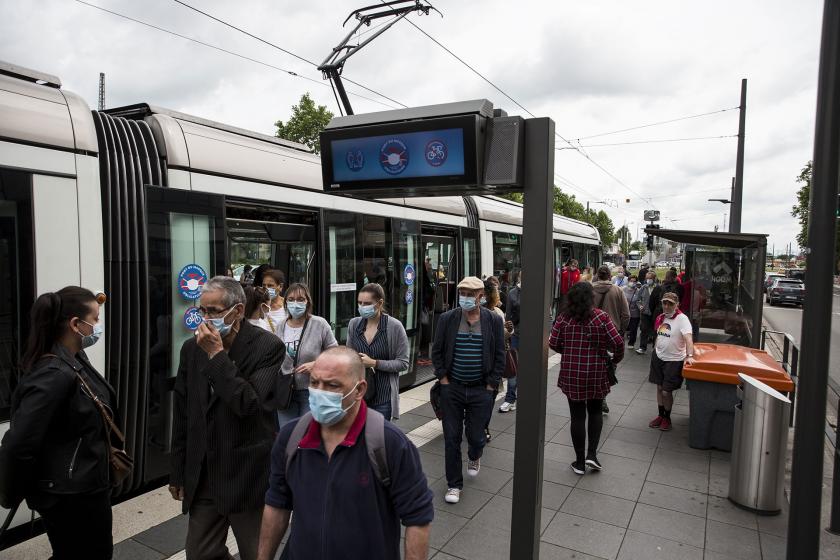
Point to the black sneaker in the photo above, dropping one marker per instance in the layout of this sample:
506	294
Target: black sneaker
487	434
605	408
578	468
593	464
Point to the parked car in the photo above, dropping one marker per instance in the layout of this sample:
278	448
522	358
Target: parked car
662	264
797	273
768	279
786	290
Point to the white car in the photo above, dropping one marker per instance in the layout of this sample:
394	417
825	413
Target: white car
662	264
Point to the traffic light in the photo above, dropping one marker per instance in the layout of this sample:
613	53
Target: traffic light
649	241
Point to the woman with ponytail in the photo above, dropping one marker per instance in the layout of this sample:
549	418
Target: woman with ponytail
57	445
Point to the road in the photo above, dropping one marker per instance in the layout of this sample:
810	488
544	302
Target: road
789	319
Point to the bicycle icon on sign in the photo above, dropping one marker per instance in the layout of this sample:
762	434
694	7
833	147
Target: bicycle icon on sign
436	153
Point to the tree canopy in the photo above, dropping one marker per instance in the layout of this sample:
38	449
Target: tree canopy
306	122
801	211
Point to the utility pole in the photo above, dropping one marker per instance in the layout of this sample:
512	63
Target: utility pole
101	103
732	213
738	187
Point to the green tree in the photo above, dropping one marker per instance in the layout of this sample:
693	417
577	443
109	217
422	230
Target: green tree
623	236
638	246
306	122
801	211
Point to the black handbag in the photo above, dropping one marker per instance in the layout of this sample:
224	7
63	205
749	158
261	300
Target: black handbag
285	385
611	369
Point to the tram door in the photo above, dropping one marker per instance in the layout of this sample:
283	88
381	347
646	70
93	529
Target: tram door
406	286
438	294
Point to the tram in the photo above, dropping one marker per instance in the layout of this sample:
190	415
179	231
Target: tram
125	199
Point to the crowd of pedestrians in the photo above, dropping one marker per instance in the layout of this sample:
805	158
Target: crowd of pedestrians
272	417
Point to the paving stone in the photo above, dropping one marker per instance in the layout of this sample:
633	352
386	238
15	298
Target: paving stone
444	527
644	436
622	466
424	410
719	485
497	513
641	546
503	440
497	459
168	537
559	453
612	485
628	449
688	480
669	524
433	465
559	472
600	507
553	495
585	535
130	549
677	499
772	547
721	509
550	551
719	467
489	479
479	542
443	556
472	500
732	540
409	421
775	524
682	461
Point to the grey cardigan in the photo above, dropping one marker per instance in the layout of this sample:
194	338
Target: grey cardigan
317	338
397	350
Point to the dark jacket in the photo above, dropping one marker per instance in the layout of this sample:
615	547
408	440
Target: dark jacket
225	418
512	309
493	344
661	290
57	439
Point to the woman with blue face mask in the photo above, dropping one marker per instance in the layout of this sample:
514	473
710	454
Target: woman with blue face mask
382	345
257	306
305	336
274	281
56	452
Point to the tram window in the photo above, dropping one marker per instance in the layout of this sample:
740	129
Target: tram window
375	246
470	256
16	278
506	255
342	281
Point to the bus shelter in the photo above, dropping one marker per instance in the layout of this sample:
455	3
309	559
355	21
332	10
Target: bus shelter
723	280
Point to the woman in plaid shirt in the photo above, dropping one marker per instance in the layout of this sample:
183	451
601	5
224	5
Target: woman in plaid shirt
583	334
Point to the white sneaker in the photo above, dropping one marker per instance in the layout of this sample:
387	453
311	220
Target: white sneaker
453	495
639	351
473	467
507	407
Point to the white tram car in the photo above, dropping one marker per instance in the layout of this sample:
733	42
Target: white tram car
123	199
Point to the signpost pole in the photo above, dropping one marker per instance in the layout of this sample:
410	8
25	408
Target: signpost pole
537	229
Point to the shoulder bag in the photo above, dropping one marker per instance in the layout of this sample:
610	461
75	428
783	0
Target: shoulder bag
285	386
608	360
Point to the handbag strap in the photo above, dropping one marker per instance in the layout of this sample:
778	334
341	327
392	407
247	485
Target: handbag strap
300	341
103	409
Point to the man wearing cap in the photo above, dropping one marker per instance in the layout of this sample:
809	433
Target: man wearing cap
468	355
673	347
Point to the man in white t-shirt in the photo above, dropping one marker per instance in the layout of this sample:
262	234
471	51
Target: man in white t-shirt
672	348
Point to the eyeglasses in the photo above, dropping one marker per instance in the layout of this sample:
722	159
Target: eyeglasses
211	313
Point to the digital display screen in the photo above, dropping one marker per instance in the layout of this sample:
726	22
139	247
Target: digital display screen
408	158
431	153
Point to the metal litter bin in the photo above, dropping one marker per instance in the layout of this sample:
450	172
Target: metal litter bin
759	447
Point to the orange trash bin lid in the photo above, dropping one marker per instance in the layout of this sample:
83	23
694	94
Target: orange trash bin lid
721	363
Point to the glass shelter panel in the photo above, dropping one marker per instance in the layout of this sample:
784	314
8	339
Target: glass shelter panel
341	274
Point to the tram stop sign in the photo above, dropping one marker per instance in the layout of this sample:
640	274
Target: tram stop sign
454	148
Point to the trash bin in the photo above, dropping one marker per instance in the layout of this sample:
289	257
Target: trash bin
711	382
757	468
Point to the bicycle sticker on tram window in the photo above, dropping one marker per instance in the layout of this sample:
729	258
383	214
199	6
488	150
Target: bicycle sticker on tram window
436	153
409	274
192	318
409	297
190	280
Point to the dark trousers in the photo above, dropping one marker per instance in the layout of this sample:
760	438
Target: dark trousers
580	410
207	529
633	329
79	526
466	410
646	331
384	409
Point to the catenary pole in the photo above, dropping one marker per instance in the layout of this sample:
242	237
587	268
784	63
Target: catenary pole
738	191
533	340
805	525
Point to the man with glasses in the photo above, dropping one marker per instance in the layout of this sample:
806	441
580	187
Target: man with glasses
224	424
673	347
469	358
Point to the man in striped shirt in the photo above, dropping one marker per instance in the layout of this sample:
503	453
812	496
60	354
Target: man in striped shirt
469	358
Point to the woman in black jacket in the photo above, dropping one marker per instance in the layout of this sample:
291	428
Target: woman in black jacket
57	444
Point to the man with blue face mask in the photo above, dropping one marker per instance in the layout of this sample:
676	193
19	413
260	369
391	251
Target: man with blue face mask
469	358
224	423
342	508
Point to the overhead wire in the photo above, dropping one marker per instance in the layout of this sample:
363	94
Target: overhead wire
663	141
658	123
226	51
269	43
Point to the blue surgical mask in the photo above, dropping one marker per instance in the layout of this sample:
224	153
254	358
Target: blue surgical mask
89	340
220	325
367	311
483	301
649	281
272	292
326	406
296	308
466	302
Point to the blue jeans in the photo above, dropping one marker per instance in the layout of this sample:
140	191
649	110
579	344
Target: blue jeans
510	396
384	409
466	410
297	408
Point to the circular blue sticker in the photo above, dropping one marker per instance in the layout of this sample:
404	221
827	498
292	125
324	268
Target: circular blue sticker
436	153
355	159
192	318
393	155
409	274
190	280
409	297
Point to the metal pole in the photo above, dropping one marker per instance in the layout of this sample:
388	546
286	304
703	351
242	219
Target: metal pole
533	340
731	201
738	190
834	526
339	85
758	302
804	525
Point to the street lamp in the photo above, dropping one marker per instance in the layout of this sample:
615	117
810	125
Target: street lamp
724	201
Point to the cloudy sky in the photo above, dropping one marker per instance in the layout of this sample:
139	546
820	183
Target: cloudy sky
594	67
